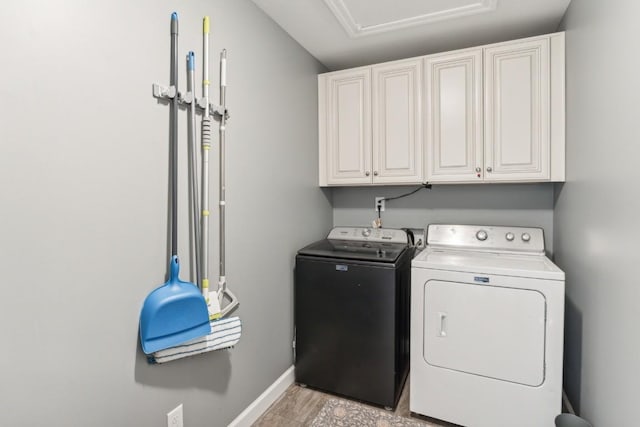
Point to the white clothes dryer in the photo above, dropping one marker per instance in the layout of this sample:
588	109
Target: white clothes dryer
487	324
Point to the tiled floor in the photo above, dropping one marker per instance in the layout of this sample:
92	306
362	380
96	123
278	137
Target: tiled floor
298	406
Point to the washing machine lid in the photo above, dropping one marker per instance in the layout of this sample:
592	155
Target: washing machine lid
504	264
355	250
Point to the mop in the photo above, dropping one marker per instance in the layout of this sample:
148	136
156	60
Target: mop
225	332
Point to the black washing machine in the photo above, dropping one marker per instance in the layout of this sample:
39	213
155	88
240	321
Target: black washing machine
352	314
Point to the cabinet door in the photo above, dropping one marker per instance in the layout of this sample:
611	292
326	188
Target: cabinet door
517	140
453	130
397	138
348	136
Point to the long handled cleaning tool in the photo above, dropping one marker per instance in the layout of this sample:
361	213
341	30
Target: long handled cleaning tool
223	291
214	306
193	168
225	333
176	311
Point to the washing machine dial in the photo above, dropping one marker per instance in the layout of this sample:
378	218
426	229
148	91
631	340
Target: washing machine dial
510	236
366	232
526	237
481	235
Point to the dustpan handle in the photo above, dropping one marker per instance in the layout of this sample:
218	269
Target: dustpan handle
173	139
174	268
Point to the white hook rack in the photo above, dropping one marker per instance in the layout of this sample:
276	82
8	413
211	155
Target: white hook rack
214	109
164	92
187	99
169	92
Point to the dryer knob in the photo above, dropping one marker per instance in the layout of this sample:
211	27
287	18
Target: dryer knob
481	235
526	237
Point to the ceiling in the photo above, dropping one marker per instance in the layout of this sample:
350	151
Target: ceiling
348	33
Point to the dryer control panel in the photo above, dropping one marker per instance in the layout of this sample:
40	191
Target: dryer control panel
368	234
488	238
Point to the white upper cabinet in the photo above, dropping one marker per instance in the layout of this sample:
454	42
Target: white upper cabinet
517	91
397	139
348	127
494	113
453	129
354	149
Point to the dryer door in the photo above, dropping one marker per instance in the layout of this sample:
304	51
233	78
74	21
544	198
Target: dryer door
491	331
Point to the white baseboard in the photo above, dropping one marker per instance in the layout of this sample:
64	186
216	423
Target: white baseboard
262	403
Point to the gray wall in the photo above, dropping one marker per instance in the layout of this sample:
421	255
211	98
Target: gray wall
83	186
488	204
596	212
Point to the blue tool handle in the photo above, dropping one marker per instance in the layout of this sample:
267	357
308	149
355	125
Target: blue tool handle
191	61
174	23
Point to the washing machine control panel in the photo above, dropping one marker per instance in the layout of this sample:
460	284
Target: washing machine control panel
368	234
489	238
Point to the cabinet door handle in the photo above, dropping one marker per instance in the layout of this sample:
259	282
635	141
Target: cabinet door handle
489	168
366	173
375	173
478	169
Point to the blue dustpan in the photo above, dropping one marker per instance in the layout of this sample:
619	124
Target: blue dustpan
172	314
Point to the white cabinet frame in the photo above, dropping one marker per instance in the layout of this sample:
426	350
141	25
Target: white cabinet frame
493	113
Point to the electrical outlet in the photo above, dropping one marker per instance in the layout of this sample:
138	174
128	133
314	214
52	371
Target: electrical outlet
379	203
174	418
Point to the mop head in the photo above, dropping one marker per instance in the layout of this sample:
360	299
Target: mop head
225	333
